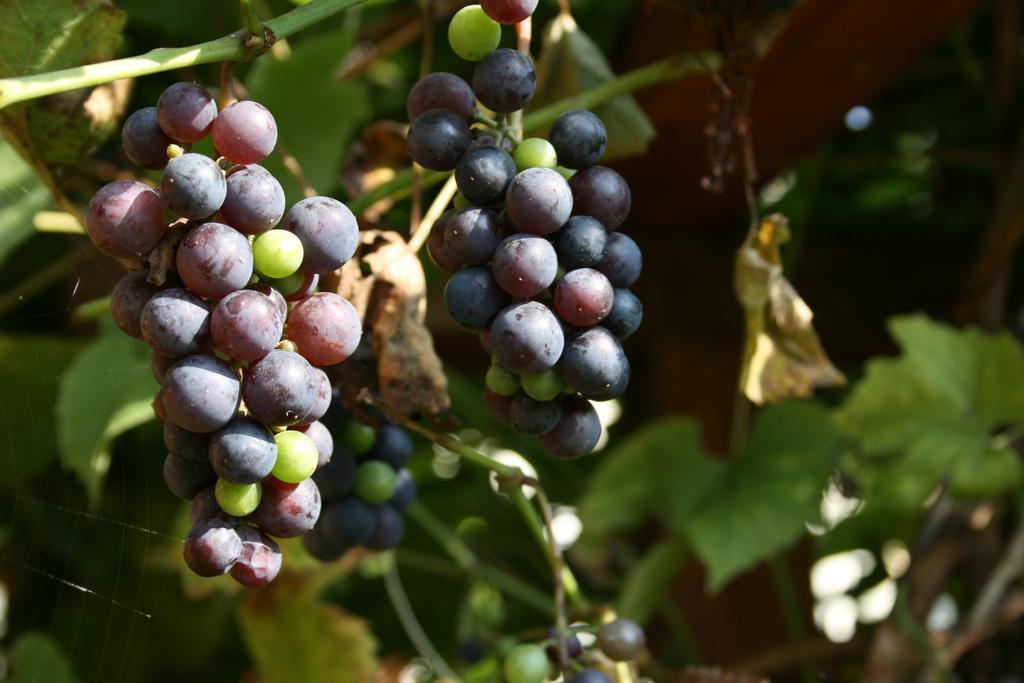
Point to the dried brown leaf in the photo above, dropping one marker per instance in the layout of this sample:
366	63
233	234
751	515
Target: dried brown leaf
372	161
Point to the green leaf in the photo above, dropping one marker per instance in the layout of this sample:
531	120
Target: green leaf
293	636
30	369
769	494
649	579
928	416
317	134
21	195
571	63
106	391
34	658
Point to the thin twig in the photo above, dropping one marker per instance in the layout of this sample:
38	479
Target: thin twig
413	628
1006	572
437	207
555	556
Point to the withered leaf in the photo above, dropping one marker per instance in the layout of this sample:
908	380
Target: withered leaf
373	160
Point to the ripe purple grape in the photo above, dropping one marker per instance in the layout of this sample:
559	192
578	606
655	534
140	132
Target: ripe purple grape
321	436
143	141
583	297
525	265
579	138
505	80
204	506
246	325
601	193
212	547
626	315
328	231
348	522
128	299
441	90
200	393
438	138
622	260
473	234
281	389
175	322
275	297
317	545
214	260
393	446
186	111
242	451
254	200
473	298
288	510
527	338
509	11
577	433
388	529
581	243
260	560
193	186
325	328
483	175
125	219
186	478
185	444
593	361
337	477
323	399
534	417
439	253
245	132
539	201
159	365
498	406
617	389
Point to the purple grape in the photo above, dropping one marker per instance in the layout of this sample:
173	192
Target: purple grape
281	389
579	138
589	676
626	315
505	81
439	253
534	417
405	490
347	523
245	132
200	393
299	285
204	506
328	231
393	446
473	298
254	200
325	327
539	201
525	265
128	299
321	436
388	529
186	478
500	407
323	399
143	141
573	646
159	365
243	451
319	547
581	243
159	409
212	547
473	234
214	260
246	325
577	433
437	139
185	444
593	361
175	322
337	477
274	296
483	175
193	186
260	560
288	510
441	90
125	219
527	338
509	11
617	389
601	193
186	111
622	261
583	297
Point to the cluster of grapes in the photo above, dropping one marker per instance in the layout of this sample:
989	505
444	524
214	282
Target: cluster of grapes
365	489
537	265
621	640
239	335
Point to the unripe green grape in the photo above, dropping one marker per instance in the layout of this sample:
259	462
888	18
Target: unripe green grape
526	664
535	153
501	381
277	253
567	173
375	482
543	386
237	500
288	285
358	438
296	457
473	34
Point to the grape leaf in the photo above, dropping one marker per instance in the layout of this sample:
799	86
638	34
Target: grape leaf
928	415
35	657
107	390
21	195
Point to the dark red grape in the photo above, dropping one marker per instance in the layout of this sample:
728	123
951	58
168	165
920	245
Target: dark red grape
204	506
622	260
325	328
275	297
527	338
509	11
505	81
214	260
159	365
525	265
212	547
439	253
128	299
593	361
175	322
441	90
321	436
498	406
328	232
539	201
186	478
281	389
337	477
388	529
581	243
186	111
143	141
483	175
534	417
245	132
159	410
288	510
200	393
254	200
437	138
125	219
242	451
601	193
185	444
579	138
577	433
473	234
260	560
583	297
626	315
348	522
193	186
246	325
473	298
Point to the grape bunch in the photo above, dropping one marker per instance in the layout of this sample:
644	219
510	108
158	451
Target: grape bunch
538	266
238	331
620	640
365	488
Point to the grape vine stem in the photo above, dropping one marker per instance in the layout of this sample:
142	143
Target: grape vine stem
230	47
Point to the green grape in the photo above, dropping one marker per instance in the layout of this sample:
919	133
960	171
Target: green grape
238	500
296	457
358	438
543	386
277	253
375	482
288	285
473	34
501	381
567	173
526	664
461	202
535	153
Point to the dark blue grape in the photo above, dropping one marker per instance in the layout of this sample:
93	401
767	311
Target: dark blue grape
473	298
319	547
281	389
438	138
483	175
573	646
579	138
186	478
439	253
524	265
441	90
288	510
193	186
143	140
337	477
388	529
347	523
243	451
534	417
254	200
577	433
617	389
473	234
186	111
593	361
539	201
505	80
175	323
214	260
580	244
212	547
622	261
200	393
589	676
527	338
405	490
393	445
185	444
601	193
128	299
328	232
626	315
